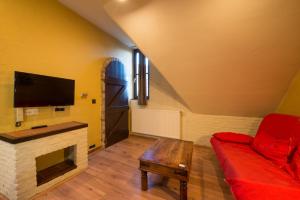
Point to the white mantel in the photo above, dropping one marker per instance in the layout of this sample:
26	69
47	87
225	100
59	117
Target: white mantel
18	164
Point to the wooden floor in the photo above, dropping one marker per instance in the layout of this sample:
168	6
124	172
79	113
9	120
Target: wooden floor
113	174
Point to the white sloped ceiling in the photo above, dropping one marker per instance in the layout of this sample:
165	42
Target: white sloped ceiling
223	57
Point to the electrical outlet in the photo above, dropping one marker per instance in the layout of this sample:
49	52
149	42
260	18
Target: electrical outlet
31	111
59	109
19	114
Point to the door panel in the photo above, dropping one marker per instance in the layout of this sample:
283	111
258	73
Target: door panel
116	104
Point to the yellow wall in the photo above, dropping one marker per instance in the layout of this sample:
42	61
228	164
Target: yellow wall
291	102
44	37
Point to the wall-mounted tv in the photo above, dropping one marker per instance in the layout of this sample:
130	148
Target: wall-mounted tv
33	90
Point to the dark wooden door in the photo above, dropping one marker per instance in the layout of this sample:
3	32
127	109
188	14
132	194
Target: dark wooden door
116	103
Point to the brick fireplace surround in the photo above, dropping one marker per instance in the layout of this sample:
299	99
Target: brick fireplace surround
19	150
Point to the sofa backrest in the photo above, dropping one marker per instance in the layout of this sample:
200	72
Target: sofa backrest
281	126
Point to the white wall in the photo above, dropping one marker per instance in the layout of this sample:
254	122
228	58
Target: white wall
194	127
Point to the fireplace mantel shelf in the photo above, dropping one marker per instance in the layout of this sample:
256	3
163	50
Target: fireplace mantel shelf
32	134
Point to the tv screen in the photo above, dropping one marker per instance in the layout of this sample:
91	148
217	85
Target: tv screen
32	90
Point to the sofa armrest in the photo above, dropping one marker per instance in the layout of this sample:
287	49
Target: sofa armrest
233	137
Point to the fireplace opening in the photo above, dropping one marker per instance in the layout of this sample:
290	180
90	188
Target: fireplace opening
66	164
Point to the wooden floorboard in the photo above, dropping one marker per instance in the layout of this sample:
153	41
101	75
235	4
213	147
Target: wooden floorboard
113	174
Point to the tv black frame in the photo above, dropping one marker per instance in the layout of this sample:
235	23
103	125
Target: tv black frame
42	105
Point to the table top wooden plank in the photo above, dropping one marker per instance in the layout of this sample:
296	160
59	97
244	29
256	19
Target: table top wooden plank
31	134
171	153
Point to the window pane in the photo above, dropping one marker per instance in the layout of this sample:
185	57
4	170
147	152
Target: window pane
137	62
147	65
147	85
137	85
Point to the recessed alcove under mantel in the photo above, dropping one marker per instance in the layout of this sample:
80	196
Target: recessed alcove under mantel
21	152
59	169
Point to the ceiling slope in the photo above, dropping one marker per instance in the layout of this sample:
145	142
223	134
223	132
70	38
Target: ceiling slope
224	57
233	57
93	11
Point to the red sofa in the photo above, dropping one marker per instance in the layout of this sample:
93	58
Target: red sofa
250	174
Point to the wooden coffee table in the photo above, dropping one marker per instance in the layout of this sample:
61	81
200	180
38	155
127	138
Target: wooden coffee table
168	157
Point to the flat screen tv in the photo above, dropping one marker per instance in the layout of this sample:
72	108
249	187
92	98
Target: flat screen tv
33	90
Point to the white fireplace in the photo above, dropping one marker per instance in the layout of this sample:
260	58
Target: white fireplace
18	172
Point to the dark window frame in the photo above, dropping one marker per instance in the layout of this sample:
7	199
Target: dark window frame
136	74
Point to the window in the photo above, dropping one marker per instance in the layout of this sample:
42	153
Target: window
139	61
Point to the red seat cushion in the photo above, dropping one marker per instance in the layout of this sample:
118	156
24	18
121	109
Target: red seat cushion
272	148
234	137
251	176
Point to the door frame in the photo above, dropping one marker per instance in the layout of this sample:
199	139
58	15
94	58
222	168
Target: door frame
103	72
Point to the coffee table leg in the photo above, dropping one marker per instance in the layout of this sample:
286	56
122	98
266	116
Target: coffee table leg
183	190
144	180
